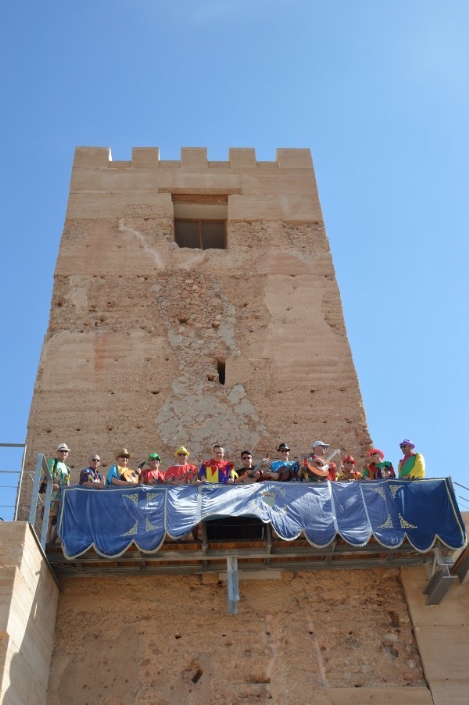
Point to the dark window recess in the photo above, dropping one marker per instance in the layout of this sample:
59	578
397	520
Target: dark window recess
235	529
221	371
202	234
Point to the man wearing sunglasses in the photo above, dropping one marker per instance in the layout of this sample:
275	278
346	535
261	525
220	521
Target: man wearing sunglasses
60	473
182	473
412	465
90	477
120	475
152	475
283	469
247	474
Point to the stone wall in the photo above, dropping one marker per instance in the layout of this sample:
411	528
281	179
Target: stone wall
139	326
28	605
323	638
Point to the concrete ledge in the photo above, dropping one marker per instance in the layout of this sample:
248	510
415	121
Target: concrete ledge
380	696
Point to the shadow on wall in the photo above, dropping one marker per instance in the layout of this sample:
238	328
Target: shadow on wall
27	663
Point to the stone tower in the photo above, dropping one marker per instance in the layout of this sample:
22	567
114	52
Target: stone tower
194	302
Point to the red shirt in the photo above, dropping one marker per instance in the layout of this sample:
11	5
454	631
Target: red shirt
151	477
185	474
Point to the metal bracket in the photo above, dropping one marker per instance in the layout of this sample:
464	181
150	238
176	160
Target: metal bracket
232	584
440	578
461	564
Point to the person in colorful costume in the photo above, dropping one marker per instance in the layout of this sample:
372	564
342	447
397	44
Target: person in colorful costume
318	459
217	469
120	475
378	469
90	477
182	472
347	472
60	473
412	465
152	475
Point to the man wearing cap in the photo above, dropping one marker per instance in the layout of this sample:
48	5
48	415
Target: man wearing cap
120	475
347	472
60	473
182	472
90	477
217	469
152	475
315	467
378	469
412	465
283	469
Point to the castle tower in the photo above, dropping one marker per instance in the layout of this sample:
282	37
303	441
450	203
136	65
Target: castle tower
194	302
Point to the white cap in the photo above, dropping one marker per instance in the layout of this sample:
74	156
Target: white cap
63	446
316	444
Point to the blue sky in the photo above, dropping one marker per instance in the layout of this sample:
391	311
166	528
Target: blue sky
378	90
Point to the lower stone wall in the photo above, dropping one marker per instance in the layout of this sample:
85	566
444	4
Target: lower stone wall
28	605
442	633
328	637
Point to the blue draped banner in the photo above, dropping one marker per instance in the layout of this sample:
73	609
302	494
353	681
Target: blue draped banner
390	510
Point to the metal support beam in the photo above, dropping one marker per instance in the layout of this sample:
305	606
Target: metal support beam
232	584
461	565
439	585
441	578
204	544
268	543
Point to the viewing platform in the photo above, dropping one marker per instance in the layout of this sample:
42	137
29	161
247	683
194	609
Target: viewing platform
260	529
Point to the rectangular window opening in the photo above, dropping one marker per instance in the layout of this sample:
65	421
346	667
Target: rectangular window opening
200	221
221	371
201	234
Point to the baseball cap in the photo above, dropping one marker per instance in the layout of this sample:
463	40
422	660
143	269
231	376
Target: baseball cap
316	444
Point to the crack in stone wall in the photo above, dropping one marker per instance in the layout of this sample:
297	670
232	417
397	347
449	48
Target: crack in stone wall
200	324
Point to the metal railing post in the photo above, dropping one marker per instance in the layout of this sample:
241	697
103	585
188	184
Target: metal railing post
41	469
20	484
15	506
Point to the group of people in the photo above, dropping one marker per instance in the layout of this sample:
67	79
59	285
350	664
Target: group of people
318	466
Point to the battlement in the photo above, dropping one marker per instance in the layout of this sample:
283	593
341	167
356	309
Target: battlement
192	158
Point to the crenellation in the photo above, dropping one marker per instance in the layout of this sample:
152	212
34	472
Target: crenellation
92	157
145	157
193	159
242	158
294	158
